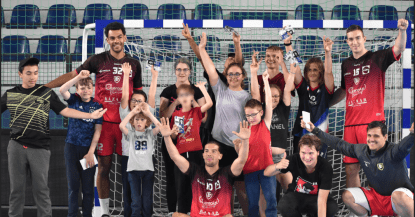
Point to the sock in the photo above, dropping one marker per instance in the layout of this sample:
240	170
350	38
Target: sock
105	206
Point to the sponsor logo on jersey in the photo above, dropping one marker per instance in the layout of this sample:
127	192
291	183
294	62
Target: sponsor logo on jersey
108	86
306	187
213	213
356	81
367	163
104	70
357	91
347	73
208	204
117	79
380	166
209	195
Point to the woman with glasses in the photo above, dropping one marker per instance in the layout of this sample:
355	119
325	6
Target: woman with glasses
168	104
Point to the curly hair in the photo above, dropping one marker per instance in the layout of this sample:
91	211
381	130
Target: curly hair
141	115
310	140
320	66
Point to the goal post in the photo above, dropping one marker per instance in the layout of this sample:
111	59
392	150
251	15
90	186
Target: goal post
380	33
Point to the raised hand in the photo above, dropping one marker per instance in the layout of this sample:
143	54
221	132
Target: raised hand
144	107
288	39
283	164
186	32
244	130
84	74
402	24
265	76
236	38
412	128
98	113
328	44
136	109
280	58
255	64
153	71
126	68
290	80
201	85
175	130
303	125
203	41
164	127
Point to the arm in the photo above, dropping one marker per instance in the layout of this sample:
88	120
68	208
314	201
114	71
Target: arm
90	155
167	111
244	134
73	113
192	43
401	150
275	169
126	68
208	64
238	49
338	96
209	102
289	86
400	42
64	89
59	81
322	202
124	122
4	102
153	88
146	111
179	160
268	100
298	76
328	64
255	92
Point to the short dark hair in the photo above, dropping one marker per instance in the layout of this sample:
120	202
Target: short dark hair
380	124
185	87
140	92
310	140
354	28
85	82
253	103
233	55
215	143
114	26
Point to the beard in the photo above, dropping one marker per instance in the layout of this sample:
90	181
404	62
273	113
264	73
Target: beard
212	164
116	51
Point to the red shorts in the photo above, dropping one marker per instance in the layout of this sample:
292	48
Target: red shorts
110	135
354	135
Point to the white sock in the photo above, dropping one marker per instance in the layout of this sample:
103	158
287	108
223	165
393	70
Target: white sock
105	206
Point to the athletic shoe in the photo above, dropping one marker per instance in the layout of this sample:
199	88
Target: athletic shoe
105	215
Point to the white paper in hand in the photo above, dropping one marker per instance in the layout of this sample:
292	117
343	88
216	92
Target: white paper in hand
83	163
306	118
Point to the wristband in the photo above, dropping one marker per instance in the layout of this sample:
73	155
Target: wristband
288	44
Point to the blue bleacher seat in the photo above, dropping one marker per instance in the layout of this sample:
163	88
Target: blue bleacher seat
60	16
208	12
95	12
77	54
381	43
51	48
136	40
212	46
134	12
25	16
409	15
166	47
14	48
259	15
2	16
309	12
247	49
346	12
383	12
171	11
309	46
341	49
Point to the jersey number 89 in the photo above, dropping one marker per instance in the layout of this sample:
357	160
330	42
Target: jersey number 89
140	145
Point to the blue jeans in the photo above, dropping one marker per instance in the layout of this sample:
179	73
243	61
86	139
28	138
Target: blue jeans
253	182
75	175
142	200
126	191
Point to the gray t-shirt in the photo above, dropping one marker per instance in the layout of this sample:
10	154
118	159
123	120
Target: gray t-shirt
229	112
141	150
124	142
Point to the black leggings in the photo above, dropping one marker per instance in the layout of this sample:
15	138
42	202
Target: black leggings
294	204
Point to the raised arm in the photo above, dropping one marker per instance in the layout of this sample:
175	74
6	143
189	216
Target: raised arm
280	59
289	85
208	64
153	88
64	89
255	92
165	109
268	100
289	47
126	68
209	102
59	81
73	113
192	43
322	202
400	42
146	111
238	49
124	122
179	160
244	134
89	157
401	150
328	64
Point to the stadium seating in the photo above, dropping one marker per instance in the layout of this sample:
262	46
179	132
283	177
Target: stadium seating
212	46
341	50
383	12
259	15
309	46
409	15
171	11
166	48
77	54
61	16
309	12
96	12
346	12
136	40
134	12
2	16
14	48
25	16
51	48
247	49
381	43
208	12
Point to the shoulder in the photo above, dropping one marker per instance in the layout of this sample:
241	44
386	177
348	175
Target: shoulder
324	164
131	59
168	90
96	103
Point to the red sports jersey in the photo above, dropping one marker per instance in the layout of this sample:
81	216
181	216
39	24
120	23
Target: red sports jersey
109	79
260	155
211	193
363	80
278	80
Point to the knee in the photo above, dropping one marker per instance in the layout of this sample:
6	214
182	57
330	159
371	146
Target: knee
347	197
103	171
352	169
398	196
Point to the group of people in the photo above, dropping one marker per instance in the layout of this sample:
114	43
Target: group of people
214	138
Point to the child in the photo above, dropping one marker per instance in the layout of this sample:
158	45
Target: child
81	142
137	97
140	168
188	120
28	150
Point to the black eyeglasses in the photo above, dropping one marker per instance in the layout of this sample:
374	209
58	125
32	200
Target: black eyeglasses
234	75
252	115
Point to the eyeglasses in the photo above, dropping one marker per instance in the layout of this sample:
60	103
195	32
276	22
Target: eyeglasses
184	95
184	70
275	96
252	115
136	101
234	75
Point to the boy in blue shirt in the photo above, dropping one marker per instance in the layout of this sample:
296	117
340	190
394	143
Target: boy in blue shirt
81	142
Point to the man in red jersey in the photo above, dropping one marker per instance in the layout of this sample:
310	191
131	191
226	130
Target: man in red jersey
211	185
363	85
108	92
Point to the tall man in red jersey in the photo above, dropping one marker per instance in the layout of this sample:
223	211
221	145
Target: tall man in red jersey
108	91
211	185
363	85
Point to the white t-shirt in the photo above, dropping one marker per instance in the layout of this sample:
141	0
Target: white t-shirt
140	150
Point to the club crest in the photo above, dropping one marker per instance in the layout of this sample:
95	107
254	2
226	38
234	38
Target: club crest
380	166
356	81
209	195
117	79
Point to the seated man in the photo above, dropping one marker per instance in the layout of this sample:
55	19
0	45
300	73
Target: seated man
211	185
312	175
390	192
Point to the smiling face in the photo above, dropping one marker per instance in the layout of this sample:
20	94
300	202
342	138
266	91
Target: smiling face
271	59
182	72
254	115
375	139
116	40
313	73
211	155
85	91
29	76
356	41
309	155
234	76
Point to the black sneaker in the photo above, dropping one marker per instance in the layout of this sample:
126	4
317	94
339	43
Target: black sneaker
105	215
